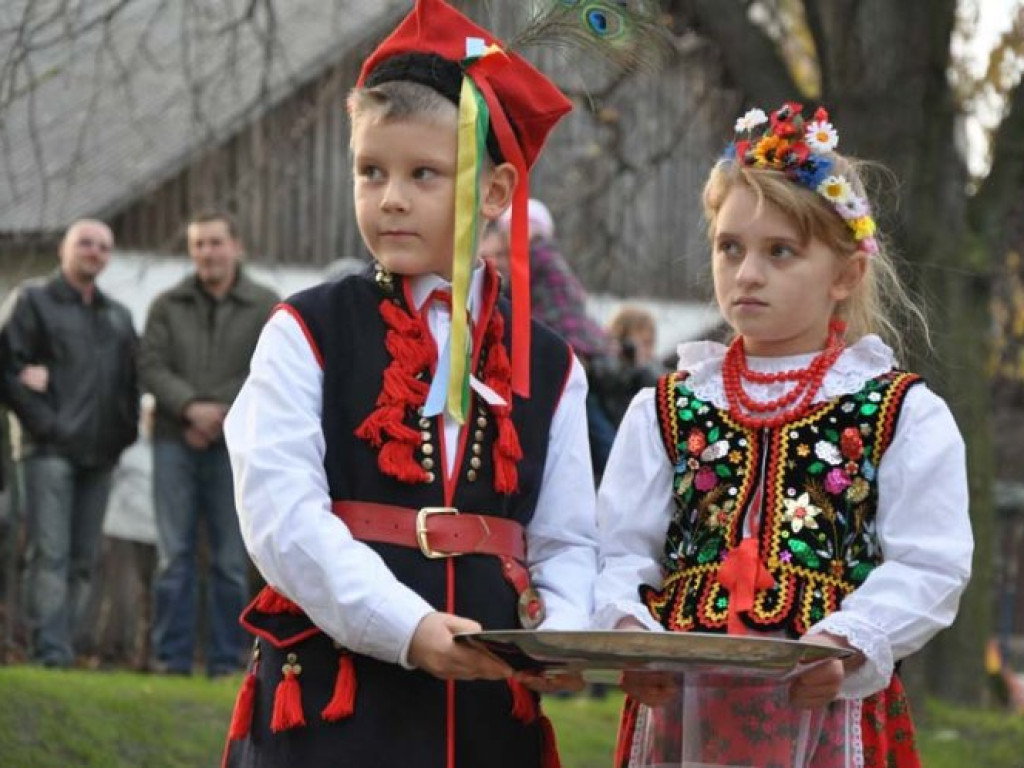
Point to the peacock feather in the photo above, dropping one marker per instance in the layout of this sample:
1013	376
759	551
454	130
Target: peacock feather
629	33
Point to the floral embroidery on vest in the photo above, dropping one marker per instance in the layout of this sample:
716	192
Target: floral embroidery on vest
815	480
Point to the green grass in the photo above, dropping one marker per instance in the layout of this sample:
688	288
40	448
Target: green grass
118	720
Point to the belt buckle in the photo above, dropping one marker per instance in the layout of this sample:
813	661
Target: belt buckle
421	531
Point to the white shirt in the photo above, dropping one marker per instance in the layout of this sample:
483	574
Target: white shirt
922	519
276	443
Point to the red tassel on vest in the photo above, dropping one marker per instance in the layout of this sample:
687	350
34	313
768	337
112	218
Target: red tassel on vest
343	701
524	708
288	698
241	717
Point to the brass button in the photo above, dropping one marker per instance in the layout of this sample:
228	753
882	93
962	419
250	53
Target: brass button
424	423
430	477
427	463
481	421
475	462
425	437
471	475
477	449
428	449
479	435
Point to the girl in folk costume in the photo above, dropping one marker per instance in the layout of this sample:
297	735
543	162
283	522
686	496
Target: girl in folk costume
399	478
797	483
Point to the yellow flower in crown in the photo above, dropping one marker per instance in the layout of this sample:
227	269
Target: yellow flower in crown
863	227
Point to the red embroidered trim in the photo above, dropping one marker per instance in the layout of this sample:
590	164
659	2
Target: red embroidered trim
412	351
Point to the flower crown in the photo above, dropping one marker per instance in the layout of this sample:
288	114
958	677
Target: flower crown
801	151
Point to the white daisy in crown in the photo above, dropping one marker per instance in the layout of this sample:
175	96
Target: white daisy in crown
835	189
821	136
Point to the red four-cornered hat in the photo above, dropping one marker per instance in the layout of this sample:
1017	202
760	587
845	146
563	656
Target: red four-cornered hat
531	102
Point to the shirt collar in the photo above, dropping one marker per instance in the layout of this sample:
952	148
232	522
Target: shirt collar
421	286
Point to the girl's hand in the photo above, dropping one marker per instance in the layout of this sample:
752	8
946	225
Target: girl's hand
655	689
819	686
433	649
628	622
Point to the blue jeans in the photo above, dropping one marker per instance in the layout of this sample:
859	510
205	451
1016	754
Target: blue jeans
191	487
64	509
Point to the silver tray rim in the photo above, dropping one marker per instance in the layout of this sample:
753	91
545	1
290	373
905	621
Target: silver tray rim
676	652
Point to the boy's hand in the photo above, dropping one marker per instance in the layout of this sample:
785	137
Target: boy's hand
818	687
433	649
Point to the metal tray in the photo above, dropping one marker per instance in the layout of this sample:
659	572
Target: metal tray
683	652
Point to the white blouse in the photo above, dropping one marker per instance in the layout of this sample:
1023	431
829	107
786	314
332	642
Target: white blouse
922	520
276	443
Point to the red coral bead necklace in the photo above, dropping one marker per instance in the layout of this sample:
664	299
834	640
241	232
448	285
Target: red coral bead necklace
796	402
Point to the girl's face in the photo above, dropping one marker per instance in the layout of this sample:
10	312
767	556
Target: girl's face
775	291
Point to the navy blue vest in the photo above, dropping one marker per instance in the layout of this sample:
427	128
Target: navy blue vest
400	716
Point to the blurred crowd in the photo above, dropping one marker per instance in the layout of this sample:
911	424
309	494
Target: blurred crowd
118	532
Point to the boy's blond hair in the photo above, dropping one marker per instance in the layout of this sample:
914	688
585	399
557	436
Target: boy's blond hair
879	302
399	100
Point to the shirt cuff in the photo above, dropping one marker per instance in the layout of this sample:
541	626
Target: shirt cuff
392	623
876	672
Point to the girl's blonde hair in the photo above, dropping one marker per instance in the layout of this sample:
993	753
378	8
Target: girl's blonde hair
879	303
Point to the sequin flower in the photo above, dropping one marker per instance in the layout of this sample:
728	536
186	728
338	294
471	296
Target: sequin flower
837	481
800	513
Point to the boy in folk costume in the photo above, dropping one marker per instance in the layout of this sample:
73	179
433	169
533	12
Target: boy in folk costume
399	479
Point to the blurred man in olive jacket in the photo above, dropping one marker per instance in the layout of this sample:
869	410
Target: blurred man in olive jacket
194	358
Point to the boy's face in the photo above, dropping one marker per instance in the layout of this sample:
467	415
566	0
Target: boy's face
405	192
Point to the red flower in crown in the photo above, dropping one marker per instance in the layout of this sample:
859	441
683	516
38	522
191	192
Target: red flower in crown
786	120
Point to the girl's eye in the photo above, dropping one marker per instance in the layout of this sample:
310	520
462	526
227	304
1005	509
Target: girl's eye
370	172
780	251
424	174
729	248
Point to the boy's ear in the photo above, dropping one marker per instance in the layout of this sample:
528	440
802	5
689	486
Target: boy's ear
496	195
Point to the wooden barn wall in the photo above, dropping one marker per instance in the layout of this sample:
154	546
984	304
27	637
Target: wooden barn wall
622	175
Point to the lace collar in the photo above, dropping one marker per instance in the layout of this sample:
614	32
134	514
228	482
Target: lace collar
869	358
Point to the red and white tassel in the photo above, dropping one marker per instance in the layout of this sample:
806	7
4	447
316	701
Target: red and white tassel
343	701
288	698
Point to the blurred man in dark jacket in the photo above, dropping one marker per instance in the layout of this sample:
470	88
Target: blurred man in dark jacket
194	358
69	363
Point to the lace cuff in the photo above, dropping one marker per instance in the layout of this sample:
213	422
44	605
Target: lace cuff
875	673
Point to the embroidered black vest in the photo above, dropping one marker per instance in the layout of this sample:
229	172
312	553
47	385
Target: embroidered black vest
815	480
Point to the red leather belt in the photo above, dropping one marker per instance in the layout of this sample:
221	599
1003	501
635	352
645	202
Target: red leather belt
436	531
440	532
